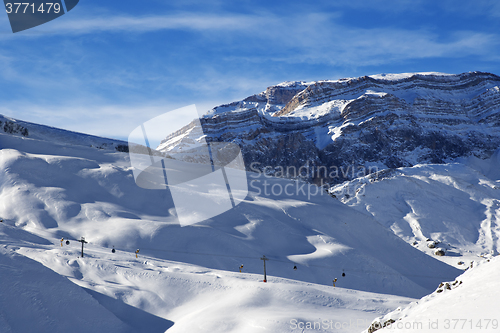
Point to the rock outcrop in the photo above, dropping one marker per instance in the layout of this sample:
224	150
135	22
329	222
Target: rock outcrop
347	126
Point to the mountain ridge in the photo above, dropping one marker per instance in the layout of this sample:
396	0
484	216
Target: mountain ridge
354	124
30	130
51	189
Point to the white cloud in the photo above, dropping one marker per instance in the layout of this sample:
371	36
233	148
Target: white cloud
302	37
106	120
180	21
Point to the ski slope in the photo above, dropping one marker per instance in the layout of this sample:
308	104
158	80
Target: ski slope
190	298
188	277
92	194
36	299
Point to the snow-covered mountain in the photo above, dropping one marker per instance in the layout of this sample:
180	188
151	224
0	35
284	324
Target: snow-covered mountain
81	191
377	235
186	279
360	124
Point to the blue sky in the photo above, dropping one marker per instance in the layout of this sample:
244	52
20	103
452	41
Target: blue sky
107	66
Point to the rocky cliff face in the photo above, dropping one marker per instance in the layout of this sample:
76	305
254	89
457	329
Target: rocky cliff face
336	130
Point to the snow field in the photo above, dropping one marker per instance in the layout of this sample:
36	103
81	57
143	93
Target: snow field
454	204
198	299
467	304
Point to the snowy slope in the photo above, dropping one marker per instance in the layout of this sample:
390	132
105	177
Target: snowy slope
36	299
197	299
54	184
454	204
41	132
194	299
467	304
53	191
93	194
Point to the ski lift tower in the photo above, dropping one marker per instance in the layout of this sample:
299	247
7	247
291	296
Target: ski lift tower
83	241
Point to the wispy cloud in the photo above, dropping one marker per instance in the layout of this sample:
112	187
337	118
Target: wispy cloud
311	37
477	8
106	120
180	21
